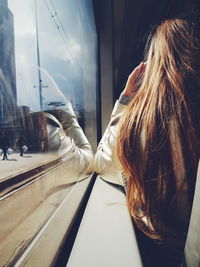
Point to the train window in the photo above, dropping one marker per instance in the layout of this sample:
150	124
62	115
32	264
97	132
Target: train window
48	82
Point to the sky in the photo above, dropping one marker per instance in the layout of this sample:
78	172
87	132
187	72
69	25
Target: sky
67	49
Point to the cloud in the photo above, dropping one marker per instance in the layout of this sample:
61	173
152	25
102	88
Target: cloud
65	54
59	76
24	17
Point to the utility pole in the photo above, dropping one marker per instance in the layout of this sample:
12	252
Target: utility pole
38	58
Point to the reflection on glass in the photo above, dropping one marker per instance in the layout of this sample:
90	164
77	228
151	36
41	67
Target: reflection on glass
48	77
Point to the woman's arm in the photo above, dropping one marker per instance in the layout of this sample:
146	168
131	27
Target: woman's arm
106	162
74	147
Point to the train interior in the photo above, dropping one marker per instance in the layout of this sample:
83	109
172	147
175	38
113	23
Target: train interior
70	58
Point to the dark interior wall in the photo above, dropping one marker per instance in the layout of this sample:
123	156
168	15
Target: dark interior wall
139	18
123	27
104	22
132	21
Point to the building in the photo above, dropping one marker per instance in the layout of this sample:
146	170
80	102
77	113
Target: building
8	95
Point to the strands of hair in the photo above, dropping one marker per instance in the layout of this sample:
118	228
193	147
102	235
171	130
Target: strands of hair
158	141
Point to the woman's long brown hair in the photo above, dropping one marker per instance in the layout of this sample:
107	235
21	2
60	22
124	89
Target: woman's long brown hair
158	141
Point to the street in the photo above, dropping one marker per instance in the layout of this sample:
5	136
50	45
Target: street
16	164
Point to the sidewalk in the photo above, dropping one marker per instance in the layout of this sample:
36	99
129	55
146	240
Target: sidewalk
16	164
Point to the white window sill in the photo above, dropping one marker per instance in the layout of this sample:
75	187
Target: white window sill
106	236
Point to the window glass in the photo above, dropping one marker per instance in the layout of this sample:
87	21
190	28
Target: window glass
48	82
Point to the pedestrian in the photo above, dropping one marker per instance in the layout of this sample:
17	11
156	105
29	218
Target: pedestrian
21	143
4	146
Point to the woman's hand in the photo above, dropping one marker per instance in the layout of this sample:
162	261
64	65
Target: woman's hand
131	84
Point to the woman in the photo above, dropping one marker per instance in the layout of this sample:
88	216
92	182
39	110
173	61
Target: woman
58	132
153	140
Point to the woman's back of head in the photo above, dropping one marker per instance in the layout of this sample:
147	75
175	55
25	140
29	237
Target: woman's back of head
159	137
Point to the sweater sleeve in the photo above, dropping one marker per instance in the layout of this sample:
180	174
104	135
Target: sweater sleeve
106	162
74	148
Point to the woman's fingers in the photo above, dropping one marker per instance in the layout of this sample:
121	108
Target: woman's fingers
137	70
132	79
